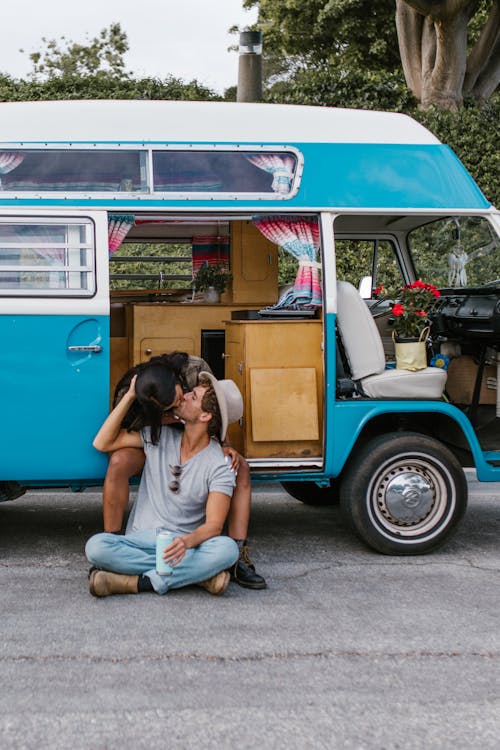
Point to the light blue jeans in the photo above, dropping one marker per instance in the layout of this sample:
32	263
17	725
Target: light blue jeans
135	553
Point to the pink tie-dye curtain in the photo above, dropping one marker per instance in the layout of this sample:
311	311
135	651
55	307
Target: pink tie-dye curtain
299	236
118	228
281	168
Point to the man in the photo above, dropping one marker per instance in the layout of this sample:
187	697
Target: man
185	487
127	462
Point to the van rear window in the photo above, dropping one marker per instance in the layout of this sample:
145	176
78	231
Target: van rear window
173	170
72	170
218	171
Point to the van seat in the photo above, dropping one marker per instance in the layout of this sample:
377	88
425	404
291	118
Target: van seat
365	354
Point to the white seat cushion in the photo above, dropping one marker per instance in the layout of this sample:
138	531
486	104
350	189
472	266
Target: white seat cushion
428	383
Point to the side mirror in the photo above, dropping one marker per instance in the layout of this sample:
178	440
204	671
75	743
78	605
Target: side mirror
365	287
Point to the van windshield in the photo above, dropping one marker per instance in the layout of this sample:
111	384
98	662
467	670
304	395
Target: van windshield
456	252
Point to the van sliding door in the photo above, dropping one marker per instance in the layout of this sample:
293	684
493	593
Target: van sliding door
54	360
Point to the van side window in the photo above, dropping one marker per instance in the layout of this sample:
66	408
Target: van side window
49	259
73	170
358	259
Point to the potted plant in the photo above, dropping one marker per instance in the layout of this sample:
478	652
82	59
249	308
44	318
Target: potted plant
411	325
212	279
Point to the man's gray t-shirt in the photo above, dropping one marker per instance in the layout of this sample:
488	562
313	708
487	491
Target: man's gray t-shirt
183	511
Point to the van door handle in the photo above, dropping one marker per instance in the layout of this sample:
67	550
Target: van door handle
91	348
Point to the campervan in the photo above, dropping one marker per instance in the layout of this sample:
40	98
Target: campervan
108	209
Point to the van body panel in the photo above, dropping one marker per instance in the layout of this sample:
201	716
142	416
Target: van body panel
341	175
53	398
350	418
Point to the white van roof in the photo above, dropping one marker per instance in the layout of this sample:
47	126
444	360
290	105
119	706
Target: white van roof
186	121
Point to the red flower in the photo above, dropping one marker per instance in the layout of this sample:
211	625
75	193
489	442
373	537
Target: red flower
398	310
378	290
422	313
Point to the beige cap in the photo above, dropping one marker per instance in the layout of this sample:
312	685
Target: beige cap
229	399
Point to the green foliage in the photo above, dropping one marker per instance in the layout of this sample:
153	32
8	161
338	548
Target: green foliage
96	70
97	87
327	84
102	56
359	32
158	271
212	274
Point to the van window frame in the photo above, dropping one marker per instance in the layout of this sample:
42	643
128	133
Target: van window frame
55	293
147	191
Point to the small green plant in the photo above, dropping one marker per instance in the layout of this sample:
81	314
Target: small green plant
216	276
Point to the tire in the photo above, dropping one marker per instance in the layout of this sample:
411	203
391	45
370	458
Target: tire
310	494
403	493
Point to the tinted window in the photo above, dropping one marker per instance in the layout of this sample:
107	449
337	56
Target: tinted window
223	172
73	170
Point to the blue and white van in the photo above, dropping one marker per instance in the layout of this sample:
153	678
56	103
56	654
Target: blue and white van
108	208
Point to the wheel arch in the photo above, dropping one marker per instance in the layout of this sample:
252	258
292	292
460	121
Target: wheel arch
436	424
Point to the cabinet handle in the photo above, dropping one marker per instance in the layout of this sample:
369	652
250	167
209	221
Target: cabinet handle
148	351
225	356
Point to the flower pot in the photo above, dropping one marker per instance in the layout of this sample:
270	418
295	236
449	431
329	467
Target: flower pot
212	295
411	354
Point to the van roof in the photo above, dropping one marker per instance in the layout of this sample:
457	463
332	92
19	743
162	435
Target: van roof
186	121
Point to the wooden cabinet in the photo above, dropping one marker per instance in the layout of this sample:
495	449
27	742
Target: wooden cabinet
254	264
160	328
278	367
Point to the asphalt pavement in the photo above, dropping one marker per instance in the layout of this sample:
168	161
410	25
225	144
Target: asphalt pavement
344	649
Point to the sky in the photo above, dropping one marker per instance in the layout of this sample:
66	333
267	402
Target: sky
185	38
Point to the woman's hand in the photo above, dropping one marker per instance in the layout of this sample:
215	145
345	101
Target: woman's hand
234	456
131	389
174	553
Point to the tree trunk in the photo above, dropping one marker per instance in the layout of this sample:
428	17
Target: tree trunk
432	38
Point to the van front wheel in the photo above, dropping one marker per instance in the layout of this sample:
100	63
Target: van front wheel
403	493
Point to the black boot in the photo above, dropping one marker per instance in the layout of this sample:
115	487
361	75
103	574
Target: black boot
243	571
10	491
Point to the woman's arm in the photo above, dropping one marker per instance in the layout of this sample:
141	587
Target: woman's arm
216	512
111	436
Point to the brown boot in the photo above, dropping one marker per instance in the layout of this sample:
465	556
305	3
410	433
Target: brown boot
217	584
103	583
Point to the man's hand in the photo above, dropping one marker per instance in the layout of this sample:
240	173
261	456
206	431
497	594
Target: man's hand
175	551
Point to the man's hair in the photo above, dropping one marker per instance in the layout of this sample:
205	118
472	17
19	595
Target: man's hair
210	404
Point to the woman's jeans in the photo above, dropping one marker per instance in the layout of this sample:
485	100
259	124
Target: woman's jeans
135	553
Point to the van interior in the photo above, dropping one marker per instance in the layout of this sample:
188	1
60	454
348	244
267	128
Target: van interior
275	354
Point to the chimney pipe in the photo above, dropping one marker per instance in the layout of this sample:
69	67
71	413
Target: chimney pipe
250	67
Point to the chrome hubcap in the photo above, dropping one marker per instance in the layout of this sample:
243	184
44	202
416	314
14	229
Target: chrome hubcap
409	497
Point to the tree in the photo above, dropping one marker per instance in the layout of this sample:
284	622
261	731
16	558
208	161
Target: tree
331	52
101	57
359	32
433	39
96	70
448	49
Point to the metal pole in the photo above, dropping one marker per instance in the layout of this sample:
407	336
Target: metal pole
250	67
